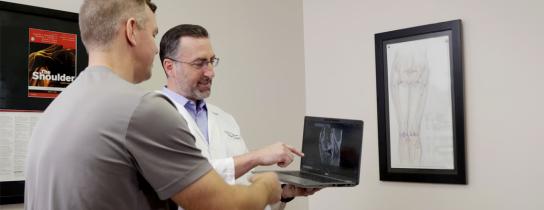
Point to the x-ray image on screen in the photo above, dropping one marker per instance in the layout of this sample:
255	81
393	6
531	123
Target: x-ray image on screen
330	140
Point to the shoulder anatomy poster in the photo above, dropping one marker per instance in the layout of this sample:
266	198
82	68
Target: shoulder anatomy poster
41	54
51	62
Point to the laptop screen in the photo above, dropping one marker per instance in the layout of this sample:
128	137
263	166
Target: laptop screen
332	147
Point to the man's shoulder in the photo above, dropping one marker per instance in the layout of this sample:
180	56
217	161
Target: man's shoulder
219	115
156	103
215	110
101	82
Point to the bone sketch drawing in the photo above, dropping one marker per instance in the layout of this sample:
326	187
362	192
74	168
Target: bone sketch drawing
408	88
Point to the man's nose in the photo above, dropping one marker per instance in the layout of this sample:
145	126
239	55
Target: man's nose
209	71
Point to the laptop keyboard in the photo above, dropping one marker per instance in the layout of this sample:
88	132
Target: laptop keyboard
310	176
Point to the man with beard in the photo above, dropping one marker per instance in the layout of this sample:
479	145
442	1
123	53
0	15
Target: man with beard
188	60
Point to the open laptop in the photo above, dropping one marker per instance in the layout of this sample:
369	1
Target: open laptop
332	154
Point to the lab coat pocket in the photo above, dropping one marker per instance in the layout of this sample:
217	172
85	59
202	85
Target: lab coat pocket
233	136
234	142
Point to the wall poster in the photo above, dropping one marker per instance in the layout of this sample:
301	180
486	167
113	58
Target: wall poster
419	81
40	54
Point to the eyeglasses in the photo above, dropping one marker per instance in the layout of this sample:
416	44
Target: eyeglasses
200	63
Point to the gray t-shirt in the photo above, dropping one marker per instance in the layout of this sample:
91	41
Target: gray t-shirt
105	144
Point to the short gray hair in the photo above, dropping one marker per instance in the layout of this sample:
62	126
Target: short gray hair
99	19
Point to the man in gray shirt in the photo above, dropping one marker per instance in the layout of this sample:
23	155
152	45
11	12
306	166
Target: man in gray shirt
105	144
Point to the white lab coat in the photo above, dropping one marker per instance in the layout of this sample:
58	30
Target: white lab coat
225	142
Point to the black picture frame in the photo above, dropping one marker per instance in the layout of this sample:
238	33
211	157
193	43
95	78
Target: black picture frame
420	102
15	21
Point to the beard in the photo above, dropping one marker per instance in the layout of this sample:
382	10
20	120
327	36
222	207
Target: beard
203	89
201	95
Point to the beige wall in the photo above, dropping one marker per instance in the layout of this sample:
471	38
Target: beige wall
503	55
260	79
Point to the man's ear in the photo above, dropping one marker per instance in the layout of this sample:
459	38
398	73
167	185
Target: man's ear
131	31
168	67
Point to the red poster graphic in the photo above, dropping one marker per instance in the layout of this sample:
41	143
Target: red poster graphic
51	62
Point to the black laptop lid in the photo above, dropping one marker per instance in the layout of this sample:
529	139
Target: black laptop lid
332	147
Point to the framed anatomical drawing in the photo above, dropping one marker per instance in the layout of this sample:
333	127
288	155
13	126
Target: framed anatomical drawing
419	78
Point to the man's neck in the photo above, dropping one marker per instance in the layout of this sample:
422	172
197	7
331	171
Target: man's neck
117	61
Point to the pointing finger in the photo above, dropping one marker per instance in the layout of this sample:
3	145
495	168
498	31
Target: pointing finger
294	150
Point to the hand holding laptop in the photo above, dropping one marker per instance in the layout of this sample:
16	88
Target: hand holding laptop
294	191
270	182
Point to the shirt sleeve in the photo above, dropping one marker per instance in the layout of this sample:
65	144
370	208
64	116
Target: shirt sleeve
225	168
163	149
